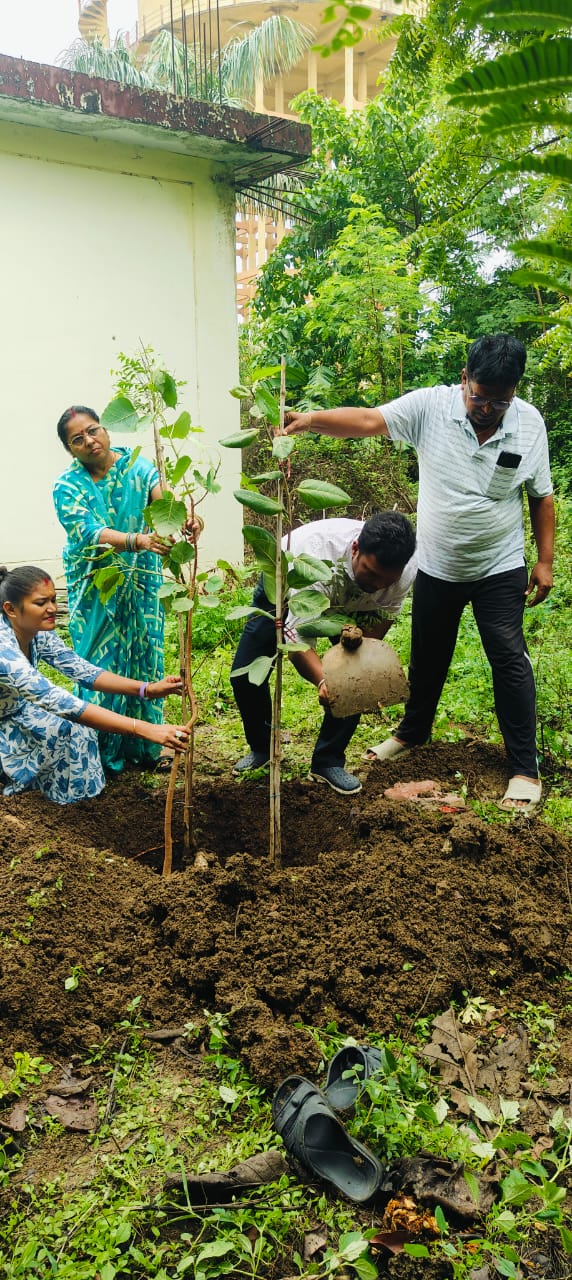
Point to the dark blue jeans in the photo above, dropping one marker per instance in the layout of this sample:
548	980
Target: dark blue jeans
255	704
498	607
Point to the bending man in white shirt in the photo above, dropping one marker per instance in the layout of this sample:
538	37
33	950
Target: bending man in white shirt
374	566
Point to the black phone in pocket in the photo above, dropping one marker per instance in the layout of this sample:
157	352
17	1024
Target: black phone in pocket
509	460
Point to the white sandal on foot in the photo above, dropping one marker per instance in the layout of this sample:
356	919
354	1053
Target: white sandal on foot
522	795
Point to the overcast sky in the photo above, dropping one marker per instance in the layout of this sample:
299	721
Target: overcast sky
40	29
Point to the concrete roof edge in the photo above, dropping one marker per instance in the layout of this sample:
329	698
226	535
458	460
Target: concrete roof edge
83	104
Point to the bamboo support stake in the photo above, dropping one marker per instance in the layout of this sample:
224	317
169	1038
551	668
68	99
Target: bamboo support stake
275	739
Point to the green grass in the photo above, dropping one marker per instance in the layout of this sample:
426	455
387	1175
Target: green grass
106	1214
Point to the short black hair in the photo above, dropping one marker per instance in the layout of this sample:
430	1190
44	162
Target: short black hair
15	584
390	537
496	359
66	418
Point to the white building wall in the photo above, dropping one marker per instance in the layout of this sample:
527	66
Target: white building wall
103	247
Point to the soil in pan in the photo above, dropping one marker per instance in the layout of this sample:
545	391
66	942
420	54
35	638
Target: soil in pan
381	911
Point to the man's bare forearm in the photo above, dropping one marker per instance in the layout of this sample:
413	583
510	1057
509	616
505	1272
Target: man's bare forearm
346	423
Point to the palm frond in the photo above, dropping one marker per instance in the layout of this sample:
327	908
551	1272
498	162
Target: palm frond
93	58
541	68
551	249
519	15
279	195
511	115
267	51
555	165
541	280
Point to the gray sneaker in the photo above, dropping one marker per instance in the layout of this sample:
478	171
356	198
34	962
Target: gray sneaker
254	760
338	779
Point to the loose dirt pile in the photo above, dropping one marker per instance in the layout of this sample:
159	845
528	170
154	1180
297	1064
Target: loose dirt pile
383	911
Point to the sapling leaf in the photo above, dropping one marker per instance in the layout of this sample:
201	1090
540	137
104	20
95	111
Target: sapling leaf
169	589
214	583
182	553
265	477
107	580
134	455
241	392
183	604
240	439
267	404
330	626
308	569
308	603
282	447
179	429
166	515
248	611
256	671
167	387
262	542
290	647
319	494
248	482
182	464
416	1250
269	584
566	1238
209	602
121	415
258	502
228	568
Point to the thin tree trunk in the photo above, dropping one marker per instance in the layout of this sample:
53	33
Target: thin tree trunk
275	738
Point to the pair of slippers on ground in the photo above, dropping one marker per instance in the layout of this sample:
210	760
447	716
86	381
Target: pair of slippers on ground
304	1116
521	796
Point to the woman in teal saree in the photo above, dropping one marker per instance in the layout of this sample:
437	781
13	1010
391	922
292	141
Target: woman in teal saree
100	501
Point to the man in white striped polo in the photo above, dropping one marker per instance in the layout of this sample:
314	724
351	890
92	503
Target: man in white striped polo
479	446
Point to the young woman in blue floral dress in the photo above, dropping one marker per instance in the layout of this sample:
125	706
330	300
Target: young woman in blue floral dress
48	737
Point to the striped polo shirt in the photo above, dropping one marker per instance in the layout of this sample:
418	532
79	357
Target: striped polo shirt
469	516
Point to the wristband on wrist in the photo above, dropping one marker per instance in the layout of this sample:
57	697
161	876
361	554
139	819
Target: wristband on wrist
320	683
142	692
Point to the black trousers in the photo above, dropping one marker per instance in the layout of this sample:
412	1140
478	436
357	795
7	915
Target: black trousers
498	607
255	704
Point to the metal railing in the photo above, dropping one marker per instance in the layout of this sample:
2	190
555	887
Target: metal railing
196	23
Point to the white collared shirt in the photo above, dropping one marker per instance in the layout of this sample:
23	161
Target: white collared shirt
333	540
469	513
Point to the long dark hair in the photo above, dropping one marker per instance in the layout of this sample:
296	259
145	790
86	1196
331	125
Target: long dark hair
15	584
67	417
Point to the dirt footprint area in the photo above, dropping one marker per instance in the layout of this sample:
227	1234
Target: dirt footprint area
381	911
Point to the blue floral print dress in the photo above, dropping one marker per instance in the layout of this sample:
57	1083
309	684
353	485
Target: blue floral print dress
42	748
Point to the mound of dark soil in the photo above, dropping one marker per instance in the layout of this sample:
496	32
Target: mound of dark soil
381	911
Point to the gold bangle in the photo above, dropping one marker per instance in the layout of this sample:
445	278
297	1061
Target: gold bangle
134	723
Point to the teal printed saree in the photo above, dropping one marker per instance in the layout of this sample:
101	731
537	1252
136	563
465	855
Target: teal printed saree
126	634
